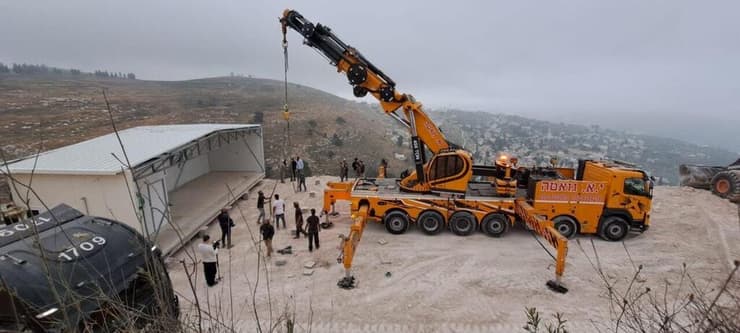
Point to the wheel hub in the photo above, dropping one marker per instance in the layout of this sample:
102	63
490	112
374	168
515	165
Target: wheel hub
615	230
723	186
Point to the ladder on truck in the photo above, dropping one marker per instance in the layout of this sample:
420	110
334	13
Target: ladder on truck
545	229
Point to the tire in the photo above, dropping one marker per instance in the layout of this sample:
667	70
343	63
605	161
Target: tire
721	184
735	194
462	223
566	226
726	184
396	222
495	225
431	222
614	228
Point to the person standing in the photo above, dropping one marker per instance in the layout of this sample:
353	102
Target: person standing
208	254
299	166
313	230
298	220
356	167
361	169
302	182
283	170
293	165
267	232
383	169
343	170
225	222
278	210
261	206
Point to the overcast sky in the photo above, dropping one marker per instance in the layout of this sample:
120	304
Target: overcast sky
671	68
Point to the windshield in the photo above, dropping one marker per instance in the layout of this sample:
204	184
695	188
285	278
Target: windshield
636	186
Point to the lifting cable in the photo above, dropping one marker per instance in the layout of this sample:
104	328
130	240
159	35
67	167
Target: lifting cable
286	110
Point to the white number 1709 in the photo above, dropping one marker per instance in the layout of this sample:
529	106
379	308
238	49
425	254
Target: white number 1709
74	251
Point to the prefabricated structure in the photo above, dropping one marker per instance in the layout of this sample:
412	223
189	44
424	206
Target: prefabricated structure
167	181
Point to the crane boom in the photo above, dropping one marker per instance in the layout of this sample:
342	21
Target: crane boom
366	78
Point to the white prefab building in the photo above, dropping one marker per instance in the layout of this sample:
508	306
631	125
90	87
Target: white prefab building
167	181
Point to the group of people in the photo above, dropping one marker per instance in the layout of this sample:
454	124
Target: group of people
358	166
208	250
297	173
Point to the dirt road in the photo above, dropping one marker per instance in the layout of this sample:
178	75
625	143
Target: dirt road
447	283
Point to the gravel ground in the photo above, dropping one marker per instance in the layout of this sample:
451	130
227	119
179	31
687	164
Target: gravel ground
446	283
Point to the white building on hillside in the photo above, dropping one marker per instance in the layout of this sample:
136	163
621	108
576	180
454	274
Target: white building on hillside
168	180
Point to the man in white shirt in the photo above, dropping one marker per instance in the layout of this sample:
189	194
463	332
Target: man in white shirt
278	210
299	165
208	254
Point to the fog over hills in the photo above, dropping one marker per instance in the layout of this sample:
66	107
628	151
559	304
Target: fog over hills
58	108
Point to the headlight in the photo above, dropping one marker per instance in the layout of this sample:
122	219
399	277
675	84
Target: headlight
46	313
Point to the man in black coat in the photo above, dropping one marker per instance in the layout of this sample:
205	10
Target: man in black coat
267	231
225	222
313	230
293	166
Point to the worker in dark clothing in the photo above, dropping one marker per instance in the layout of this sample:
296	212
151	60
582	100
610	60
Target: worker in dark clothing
225	222
293	166
343	170
356	167
267	231
298	220
261	206
361	169
313	230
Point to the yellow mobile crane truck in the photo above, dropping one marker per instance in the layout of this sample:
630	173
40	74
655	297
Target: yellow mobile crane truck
448	190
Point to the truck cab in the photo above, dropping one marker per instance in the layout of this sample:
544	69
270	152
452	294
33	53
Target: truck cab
629	191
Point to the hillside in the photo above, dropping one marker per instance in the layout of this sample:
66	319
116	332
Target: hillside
59	110
62	109
535	141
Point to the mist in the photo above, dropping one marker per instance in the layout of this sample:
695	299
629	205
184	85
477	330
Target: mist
666	68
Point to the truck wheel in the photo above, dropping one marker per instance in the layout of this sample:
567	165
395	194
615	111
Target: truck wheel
566	226
430	222
614	228
734	195
462	223
495	225
722	184
396	222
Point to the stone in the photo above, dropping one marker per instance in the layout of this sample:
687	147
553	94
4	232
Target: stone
280	262
309	264
308	272
382	241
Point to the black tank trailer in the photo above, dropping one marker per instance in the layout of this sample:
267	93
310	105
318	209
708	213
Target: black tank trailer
63	271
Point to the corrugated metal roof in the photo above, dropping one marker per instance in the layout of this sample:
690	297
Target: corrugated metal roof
95	156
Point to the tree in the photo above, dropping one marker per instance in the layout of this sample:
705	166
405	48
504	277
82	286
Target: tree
399	141
131	76
312	123
4	68
341	121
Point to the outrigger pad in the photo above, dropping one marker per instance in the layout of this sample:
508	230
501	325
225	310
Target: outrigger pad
347	282
556	287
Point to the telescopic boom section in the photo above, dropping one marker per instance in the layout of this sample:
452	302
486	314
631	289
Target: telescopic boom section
365	78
